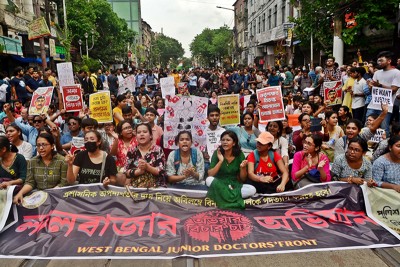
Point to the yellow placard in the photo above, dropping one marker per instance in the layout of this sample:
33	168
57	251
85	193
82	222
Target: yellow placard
230	109
100	107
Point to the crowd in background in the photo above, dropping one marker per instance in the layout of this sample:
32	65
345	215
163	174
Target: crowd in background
35	151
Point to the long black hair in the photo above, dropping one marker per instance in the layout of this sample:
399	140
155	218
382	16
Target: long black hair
5	143
236	150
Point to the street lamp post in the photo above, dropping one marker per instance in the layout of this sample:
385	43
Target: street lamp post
87	47
80	47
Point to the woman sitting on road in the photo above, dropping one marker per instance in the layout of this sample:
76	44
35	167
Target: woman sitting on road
12	165
280	144
124	141
227	173
48	170
14	135
264	166
332	132
353	167
92	165
299	135
310	165
145	167
386	168
185	165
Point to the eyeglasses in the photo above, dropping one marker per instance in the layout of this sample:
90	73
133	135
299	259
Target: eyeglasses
354	150
306	120
37	121
42	145
72	123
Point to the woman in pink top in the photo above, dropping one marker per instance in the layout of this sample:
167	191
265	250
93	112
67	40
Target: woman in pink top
310	165
124	141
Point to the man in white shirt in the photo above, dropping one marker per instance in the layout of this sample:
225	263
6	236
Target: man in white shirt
386	77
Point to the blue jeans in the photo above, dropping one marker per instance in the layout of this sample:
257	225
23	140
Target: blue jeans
386	122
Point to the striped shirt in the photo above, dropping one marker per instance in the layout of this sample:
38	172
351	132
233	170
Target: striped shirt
41	176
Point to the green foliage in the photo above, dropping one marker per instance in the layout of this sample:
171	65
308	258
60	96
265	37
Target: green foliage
165	49
110	33
211	44
317	17
90	64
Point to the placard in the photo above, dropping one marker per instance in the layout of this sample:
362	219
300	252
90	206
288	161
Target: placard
186	113
77	145
41	100
183	89
333	93
213	140
167	86
378	137
381	95
230	109
38	28
128	84
72	97
65	74
271	104
100	107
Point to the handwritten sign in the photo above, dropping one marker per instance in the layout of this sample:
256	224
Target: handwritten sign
100	107
65	74
271	104
167	86
230	109
333	93
378	137
41	100
38	28
381	95
213	140
186	113
72	97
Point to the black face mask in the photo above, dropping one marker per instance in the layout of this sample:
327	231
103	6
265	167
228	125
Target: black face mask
91	146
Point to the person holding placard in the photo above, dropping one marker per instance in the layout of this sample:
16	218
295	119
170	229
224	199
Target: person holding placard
387	77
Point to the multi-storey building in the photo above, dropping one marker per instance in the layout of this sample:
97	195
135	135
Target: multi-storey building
147	37
130	11
268	35
240	33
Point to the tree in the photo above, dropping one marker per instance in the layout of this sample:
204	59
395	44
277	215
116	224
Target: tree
110	33
165	49
318	17
211	45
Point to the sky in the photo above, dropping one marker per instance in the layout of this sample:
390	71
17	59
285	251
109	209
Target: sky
184	19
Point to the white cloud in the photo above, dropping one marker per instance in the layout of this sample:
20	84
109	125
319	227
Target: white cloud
184	19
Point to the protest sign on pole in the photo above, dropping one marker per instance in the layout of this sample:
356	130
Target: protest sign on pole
41	100
65	74
230	109
167	86
72	97
186	113
333	93
100	107
271	104
213	140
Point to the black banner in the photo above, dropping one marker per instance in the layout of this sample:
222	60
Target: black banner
91	221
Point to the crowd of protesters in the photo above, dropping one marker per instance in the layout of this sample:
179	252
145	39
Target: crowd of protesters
35	151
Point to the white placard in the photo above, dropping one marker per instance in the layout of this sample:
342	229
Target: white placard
65	74
167	86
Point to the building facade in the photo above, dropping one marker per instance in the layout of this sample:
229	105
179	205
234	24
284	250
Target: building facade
269	33
240	49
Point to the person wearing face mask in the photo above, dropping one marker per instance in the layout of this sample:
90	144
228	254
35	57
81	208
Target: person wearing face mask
92	165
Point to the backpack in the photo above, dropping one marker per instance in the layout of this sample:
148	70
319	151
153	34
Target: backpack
177	158
257	157
99	85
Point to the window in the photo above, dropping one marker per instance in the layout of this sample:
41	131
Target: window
263	22
254	28
259	24
269	19
275	16
283	11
